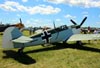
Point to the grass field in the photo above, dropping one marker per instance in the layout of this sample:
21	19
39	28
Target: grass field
59	56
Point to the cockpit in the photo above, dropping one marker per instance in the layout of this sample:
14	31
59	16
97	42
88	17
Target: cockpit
64	27
60	28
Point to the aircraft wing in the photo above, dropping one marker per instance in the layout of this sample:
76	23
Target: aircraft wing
22	39
78	37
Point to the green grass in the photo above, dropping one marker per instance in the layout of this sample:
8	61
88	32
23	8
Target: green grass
60	56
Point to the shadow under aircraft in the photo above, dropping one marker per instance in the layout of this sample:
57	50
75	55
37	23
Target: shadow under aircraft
25	59
21	58
58	46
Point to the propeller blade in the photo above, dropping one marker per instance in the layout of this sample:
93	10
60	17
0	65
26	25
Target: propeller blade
73	22
83	21
1	22
20	20
54	24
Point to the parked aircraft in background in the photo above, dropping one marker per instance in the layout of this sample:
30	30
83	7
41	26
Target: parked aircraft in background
88	30
4	26
33	30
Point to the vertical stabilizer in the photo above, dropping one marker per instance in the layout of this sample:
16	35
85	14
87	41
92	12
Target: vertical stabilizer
10	34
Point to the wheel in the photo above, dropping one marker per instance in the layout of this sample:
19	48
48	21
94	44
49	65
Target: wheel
79	43
46	45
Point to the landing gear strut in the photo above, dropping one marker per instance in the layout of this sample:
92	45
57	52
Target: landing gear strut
21	50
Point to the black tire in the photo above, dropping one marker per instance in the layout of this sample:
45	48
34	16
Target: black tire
79	43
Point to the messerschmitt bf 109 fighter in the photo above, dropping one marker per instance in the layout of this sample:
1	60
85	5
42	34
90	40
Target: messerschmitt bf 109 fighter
13	38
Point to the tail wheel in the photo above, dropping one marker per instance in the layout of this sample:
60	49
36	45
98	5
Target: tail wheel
46	45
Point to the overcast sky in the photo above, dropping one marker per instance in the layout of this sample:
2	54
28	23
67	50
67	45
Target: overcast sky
44	12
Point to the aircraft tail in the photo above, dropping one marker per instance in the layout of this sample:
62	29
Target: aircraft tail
10	34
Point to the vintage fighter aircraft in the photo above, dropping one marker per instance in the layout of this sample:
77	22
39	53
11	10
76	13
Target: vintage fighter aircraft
13	38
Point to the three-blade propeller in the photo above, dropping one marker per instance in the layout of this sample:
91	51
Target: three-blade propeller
78	26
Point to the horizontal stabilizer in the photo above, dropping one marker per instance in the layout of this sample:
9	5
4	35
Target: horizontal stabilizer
22	39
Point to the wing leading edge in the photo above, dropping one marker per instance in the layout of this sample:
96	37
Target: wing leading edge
78	37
